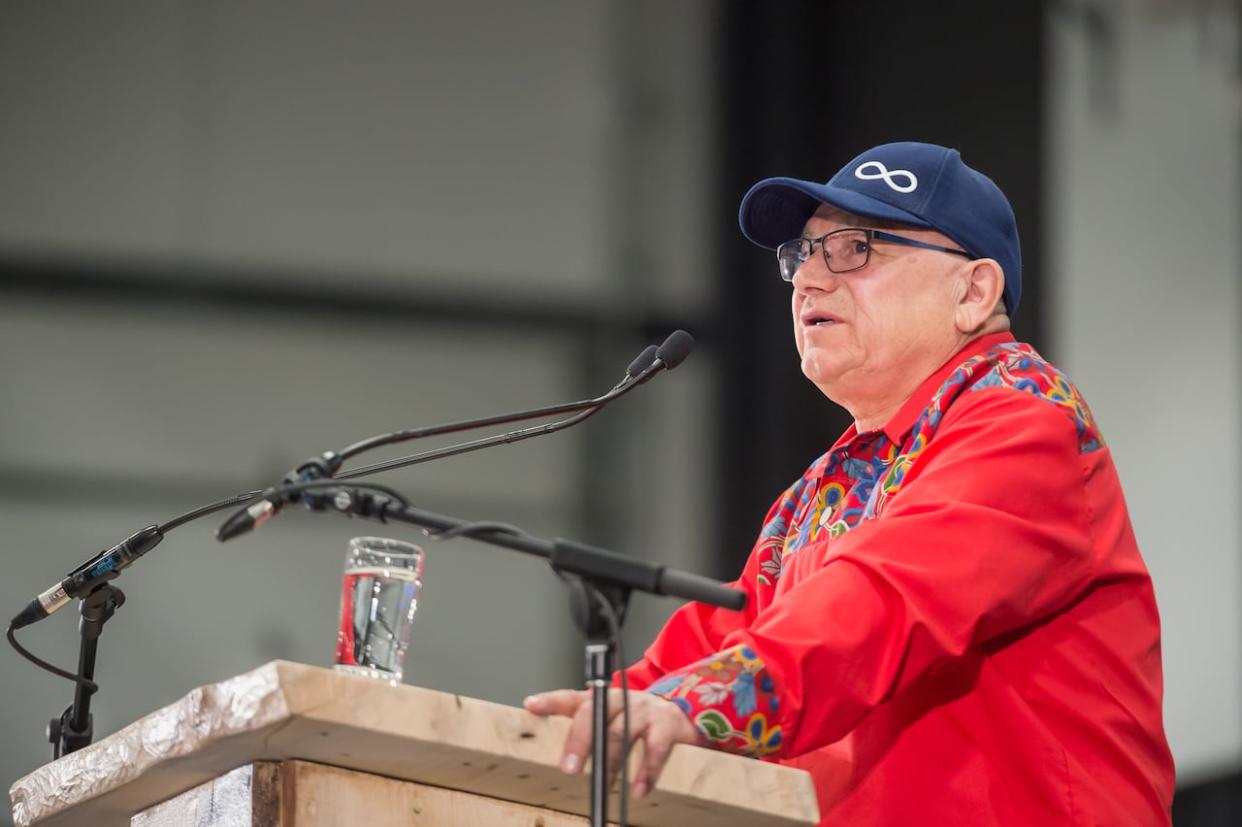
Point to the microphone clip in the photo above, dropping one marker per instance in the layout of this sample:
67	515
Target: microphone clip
358	502
321	467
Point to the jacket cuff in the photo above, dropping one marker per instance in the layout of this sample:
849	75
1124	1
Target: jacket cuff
730	698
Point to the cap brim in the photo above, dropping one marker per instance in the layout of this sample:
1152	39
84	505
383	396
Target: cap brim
776	209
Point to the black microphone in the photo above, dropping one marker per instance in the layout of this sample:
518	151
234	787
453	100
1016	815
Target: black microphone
99	569
325	466
638	369
675	349
641	362
672	352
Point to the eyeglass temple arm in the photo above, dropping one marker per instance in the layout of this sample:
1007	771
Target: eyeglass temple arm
897	239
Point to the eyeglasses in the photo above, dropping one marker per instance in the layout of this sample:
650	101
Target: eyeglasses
844	250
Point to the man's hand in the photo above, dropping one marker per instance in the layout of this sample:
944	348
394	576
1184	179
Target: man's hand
657	722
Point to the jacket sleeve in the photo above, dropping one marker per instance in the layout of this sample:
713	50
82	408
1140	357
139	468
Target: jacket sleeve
696	630
990	531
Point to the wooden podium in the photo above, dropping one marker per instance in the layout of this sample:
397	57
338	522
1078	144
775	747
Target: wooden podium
289	745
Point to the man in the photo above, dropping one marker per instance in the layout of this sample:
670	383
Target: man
948	621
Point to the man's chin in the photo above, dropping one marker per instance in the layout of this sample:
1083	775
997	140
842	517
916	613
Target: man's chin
825	372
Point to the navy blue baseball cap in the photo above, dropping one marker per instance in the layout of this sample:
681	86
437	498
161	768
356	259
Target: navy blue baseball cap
922	185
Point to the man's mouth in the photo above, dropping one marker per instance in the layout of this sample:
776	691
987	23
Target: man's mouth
819	320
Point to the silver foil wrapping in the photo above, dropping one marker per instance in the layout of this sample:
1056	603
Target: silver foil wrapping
247	702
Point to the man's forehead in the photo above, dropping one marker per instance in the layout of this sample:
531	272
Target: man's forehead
829	213
828	218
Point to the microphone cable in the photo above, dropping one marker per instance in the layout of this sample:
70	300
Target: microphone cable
669	355
92	687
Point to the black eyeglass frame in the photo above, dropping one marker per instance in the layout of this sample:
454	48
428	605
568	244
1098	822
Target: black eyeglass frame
871	235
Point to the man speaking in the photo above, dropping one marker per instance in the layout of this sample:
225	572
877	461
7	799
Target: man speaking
949	621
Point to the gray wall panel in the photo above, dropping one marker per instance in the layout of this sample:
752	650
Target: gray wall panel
1144	211
552	156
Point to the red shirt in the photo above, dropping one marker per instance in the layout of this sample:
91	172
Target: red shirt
949	621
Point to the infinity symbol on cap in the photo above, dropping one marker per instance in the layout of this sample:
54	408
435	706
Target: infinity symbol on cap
884	173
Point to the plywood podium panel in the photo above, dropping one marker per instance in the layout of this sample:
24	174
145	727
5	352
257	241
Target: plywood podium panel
284	711
302	794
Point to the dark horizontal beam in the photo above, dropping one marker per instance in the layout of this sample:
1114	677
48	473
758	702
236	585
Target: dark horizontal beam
31	483
235	291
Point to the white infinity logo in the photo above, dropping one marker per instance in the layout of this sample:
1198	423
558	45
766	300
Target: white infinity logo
883	172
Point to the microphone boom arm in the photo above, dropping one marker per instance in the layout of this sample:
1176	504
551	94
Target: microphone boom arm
651	361
639	371
570	557
485	442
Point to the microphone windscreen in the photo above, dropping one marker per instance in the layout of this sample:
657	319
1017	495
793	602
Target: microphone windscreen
675	349
642	361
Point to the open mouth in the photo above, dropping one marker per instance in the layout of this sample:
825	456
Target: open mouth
819	320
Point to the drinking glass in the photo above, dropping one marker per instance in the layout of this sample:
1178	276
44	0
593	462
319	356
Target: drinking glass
379	593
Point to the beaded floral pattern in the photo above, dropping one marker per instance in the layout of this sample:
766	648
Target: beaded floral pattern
853	482
730	696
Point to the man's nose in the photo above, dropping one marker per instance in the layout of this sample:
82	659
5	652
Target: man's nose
815	275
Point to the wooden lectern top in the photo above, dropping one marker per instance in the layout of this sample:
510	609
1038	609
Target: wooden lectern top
287	710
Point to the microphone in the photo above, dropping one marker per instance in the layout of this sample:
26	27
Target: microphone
99	569
671	353
641	362
675	349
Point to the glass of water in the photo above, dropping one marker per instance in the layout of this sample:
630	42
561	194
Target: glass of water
379	594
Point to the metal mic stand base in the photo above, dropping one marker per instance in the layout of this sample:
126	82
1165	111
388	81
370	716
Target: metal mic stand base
585	597
74	729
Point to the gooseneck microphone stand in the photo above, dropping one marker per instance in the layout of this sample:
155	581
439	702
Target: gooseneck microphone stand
671	353
602	599
74	729
601	582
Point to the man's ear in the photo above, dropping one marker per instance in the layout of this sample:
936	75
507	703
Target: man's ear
984	286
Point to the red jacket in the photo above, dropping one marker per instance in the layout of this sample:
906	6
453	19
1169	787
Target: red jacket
949	621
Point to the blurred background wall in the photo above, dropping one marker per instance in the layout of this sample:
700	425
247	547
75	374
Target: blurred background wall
235	234
1143	274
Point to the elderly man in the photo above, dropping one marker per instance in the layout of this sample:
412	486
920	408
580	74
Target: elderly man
948	621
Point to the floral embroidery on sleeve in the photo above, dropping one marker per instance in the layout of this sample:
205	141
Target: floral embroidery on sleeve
729	696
